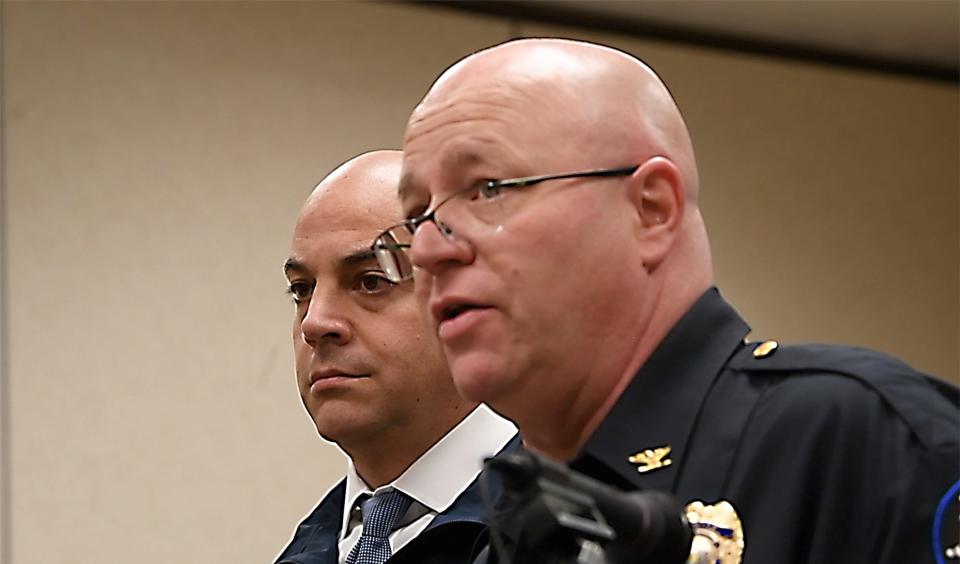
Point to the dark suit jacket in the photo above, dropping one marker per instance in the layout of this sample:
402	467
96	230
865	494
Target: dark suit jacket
452	537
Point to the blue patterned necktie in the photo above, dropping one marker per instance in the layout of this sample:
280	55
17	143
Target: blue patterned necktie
380	514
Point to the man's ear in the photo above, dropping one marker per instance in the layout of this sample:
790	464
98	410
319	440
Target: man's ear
659	197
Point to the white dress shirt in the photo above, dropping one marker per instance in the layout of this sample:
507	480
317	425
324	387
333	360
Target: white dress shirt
434	481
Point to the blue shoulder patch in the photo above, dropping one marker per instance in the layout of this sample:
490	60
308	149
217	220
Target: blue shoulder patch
946	523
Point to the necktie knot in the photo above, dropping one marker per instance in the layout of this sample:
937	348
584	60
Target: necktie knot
380	515
382	512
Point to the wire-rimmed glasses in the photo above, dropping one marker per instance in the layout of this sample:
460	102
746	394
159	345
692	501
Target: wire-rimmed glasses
482	202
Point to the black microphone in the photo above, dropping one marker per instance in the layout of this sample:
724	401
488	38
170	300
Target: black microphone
559	512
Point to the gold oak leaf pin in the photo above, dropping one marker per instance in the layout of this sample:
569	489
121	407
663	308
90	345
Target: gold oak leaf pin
651	459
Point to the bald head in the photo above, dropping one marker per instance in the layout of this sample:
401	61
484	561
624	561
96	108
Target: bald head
367	181
571	283
368	372
594	98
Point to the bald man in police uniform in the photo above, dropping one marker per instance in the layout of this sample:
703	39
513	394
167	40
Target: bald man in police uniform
553	195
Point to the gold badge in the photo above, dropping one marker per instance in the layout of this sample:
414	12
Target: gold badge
651	459
717	534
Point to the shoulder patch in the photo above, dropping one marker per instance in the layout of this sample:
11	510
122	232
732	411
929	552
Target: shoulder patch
946	544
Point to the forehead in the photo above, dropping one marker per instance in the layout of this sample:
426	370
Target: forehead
343	216
458	152
476	129
346	207
515	127
467	106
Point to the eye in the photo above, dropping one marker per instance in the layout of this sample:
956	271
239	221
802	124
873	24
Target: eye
415	212
489	189
300	291
373	282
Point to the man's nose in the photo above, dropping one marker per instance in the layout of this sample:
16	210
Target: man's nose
325	321
435	251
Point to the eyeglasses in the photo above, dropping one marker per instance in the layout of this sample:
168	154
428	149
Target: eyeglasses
482	202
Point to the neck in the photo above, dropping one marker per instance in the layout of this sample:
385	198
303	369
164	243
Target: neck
383	458
563	435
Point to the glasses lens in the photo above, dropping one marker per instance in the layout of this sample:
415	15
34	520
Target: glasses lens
391	251
467	208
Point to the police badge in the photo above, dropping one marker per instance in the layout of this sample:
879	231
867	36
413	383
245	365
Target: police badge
718	534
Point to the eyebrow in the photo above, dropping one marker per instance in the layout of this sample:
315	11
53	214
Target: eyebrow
464	156
455	160
293	264
362	255
359	256
404	186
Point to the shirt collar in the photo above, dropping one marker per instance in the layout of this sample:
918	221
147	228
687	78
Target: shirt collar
661	403
438	477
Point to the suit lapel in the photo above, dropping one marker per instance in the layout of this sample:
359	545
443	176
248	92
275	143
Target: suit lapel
316	539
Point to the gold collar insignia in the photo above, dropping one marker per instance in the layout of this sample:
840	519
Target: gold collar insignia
651	459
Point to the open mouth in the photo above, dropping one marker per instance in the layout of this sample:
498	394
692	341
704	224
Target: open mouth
454	311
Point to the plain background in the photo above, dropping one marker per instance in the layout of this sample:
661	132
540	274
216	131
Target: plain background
157	154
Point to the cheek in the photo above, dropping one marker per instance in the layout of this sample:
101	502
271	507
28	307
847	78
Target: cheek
422	281
302	355
400	336
296	333
538	249
415	359
557	265
422	286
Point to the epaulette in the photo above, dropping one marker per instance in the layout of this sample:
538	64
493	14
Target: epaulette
771	355
916	397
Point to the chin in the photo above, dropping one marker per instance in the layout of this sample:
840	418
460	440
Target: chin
479	377
342	426
343	436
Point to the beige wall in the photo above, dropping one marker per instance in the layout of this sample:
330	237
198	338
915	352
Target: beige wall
157	154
